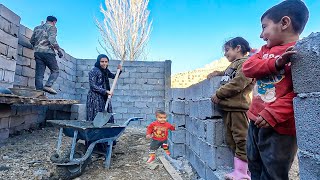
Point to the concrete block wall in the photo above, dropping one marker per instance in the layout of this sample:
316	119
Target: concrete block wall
139	92
16	118
199	135
305	73
25	68
142	87
9	28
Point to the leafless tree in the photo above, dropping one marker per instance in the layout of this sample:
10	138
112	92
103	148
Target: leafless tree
125	29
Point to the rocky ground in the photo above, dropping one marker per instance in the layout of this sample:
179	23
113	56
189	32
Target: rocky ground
27	156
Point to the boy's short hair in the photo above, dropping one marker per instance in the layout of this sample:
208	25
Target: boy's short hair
295	9
52	19
159	111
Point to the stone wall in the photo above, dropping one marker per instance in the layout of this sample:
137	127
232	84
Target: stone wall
306	73
200	134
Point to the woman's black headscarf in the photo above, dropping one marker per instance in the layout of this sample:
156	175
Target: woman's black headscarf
105	72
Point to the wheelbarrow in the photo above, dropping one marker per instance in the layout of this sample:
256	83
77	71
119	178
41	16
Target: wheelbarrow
71	164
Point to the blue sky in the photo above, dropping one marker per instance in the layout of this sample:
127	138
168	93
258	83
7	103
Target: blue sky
188	32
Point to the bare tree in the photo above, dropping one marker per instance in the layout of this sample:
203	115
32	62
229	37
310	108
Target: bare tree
125	29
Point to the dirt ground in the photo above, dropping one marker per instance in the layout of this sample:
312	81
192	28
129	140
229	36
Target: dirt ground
27	156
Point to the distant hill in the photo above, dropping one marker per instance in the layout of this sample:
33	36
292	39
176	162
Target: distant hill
185	79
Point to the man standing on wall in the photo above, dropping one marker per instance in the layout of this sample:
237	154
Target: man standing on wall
44	44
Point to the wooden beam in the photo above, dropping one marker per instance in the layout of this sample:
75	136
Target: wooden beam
14	99
173	173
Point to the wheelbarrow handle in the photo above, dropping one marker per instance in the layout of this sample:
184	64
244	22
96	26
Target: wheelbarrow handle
131	119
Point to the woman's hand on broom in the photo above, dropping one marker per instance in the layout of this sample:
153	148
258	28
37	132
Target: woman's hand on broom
109	93
119	67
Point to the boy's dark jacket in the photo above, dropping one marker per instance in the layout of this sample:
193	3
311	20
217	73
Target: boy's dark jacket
235	88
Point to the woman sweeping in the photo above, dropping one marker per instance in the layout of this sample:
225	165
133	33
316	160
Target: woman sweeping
99	88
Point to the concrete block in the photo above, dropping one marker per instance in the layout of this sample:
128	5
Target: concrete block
208	154
28	72
200	167
4	122
9	15
76	108
207	109
8	39
188	138
12	53
196	91
178	136
211	131
153	70
189	123
179	120
187	108
194	109
305	63
195	143
176	149
178	93
219	132
14	30
199	128
178	107
4	25
4	134
309	165
7	64
28	32
9	76
224	156
209	86
3	49
23	61
307	121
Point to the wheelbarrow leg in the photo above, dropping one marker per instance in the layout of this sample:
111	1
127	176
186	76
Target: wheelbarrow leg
74	141
59	141
108	154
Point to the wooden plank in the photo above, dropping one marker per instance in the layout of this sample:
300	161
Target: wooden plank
173	173
14	99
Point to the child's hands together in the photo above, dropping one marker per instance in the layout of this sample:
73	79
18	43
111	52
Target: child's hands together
261	123
285	58
215	99
149	136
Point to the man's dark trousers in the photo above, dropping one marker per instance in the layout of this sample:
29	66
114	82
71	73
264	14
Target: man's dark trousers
44	60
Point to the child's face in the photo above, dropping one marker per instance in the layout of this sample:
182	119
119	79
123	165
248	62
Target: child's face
104	63
231	53
162	118
271	32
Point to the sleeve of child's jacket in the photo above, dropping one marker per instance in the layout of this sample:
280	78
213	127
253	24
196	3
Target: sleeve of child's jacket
150	129
279	111
234	86
172	128
256	67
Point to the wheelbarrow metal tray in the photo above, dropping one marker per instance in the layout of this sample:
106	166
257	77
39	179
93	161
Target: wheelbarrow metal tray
86	130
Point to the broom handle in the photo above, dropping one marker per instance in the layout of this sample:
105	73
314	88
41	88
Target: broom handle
113	86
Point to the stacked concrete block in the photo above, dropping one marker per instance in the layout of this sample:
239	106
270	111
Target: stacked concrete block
205	146
78	112
307	105
9	28
139	92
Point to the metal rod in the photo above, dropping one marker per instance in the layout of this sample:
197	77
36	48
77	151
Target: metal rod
74	141
59	141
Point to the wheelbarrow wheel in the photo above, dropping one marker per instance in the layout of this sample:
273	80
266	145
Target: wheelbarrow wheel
72	171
